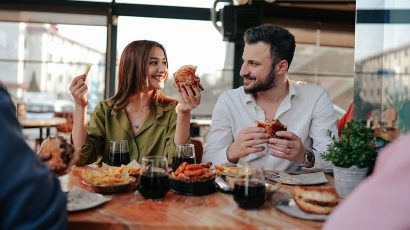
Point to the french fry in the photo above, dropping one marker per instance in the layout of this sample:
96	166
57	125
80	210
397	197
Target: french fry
87	69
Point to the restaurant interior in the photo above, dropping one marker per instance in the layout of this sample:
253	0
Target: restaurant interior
357	50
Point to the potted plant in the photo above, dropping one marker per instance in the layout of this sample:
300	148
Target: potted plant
351	156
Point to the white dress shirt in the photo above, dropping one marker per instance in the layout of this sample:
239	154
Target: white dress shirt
307	110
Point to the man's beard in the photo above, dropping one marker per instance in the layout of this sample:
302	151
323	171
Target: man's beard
262	86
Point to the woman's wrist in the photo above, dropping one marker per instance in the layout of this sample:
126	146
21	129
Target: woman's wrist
184	111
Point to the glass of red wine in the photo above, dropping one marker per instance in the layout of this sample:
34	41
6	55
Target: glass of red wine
183	153
154	177
119	153
249	189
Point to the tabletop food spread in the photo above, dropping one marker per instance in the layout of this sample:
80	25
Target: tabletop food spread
214	185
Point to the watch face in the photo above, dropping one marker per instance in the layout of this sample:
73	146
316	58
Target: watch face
310	156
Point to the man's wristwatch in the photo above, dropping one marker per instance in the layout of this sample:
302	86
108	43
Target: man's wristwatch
309	161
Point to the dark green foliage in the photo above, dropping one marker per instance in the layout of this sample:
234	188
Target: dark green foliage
356	147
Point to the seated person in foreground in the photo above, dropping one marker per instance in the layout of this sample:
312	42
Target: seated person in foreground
267	94
30	194
139	112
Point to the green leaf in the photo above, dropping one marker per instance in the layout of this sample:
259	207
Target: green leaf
354	148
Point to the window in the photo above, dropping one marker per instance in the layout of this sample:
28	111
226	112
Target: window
50	56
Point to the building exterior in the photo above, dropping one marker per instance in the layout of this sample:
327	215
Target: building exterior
385	76
35	58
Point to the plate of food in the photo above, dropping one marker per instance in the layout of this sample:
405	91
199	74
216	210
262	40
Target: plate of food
229	170
107	181
310	203
79	199
298	179
192	179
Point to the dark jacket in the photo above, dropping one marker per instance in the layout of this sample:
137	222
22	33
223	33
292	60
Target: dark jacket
30	194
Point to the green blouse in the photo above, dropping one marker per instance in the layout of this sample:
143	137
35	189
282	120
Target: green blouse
155	137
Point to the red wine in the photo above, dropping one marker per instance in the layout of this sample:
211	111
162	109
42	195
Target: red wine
249	196
118	159
154	185
177	161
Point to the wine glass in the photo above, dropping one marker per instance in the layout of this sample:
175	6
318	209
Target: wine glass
153	177
249	189
119	153
183	153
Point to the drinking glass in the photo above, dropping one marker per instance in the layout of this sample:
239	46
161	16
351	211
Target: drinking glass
119	153
249	188
183	153
153	177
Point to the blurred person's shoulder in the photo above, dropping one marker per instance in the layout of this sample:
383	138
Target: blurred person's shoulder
3	91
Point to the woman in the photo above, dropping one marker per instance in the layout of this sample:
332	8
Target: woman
140	113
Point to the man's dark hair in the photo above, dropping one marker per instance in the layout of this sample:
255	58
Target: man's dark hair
282	42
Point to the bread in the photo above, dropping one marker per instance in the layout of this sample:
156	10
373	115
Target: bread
62	153
272	126
318	200
186	76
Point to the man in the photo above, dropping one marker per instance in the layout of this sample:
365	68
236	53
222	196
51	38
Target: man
267	93
30	195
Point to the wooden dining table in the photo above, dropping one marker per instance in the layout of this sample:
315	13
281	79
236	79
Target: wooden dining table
128	210
41	123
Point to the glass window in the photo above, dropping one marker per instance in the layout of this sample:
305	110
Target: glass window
383	63
39	60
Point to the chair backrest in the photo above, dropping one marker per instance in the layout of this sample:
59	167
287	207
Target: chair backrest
68	126
199	149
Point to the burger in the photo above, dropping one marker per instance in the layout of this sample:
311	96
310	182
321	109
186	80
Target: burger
62	153
317	200
186	76
272	126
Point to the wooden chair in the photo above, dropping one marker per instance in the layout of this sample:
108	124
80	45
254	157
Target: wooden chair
199	149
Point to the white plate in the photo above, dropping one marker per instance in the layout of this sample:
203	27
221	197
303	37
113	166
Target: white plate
302	179
289	207
79	199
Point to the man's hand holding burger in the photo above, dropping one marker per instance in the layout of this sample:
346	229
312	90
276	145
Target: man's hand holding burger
287	146
247	143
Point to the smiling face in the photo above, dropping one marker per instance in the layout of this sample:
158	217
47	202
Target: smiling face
157	69
257	71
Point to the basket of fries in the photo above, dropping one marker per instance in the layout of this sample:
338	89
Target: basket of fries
193	179
108	180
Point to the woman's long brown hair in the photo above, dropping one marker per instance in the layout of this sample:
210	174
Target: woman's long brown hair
133	75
